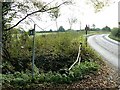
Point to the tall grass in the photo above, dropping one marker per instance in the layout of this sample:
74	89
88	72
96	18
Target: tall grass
56	50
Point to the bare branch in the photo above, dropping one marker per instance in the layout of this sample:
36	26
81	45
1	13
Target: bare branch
36	24
93	2
41	10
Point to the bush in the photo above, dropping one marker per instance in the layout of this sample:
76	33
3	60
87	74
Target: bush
115	32
84	68
106	28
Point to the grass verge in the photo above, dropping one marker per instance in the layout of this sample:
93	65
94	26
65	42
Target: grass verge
114	38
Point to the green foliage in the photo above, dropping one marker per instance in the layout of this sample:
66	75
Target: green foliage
6	79
115	32
61	29
78	72
17	51
55	13
106	28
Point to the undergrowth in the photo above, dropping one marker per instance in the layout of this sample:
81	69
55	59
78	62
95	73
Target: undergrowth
23	80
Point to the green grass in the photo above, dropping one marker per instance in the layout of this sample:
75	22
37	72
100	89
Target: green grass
45	33
80	32
114	38
97	32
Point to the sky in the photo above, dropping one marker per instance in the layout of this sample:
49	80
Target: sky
84	13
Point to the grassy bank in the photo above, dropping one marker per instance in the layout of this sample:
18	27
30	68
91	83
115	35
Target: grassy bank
115	34
114	38
52	53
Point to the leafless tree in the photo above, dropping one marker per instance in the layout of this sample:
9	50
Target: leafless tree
72	21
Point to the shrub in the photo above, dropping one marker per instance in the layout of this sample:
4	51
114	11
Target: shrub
19	82
115	32
84	68
106	28
6	79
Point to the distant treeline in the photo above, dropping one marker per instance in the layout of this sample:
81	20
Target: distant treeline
61	29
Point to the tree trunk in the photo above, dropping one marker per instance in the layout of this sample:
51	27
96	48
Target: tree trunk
0	35
56	24
70	26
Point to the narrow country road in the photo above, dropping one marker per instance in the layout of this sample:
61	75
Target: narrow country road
106	47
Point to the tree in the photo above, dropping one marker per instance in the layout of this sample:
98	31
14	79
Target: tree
119	24
61	29
98	29
93	27
100	4
41	8
106	28
80	25
0	33
6	35
55	13
72	21
50	30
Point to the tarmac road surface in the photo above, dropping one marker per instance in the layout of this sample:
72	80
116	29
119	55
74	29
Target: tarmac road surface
109	49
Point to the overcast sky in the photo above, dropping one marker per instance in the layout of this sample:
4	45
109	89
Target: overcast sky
85	14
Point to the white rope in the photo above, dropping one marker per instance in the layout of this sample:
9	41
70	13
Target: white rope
78	57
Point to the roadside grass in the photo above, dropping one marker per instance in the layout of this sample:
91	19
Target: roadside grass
98	32
114	38
115	34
